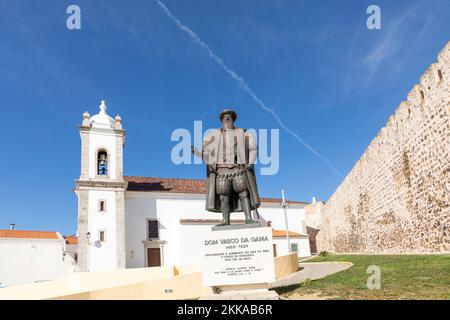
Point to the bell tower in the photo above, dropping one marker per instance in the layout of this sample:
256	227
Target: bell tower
101	193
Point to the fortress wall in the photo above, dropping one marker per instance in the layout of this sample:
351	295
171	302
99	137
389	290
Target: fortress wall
396	199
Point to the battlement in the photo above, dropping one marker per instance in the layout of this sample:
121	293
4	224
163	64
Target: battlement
389	181
436	75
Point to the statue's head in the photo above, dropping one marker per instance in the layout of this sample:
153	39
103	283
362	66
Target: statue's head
228	117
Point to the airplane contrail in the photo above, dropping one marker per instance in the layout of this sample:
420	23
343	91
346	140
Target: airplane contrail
242	83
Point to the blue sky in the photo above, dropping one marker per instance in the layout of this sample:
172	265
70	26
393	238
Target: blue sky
330	79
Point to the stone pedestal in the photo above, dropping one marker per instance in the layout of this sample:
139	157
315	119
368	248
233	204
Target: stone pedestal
236	226
238	259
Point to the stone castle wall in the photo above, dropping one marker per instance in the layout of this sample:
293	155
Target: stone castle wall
396	199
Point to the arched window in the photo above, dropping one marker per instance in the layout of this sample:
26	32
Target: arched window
102	163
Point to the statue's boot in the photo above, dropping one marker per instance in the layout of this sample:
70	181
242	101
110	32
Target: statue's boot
226	220
248	218
245	201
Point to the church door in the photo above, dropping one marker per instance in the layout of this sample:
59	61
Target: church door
153	257
274	250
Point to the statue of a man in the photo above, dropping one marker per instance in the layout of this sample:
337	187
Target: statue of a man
230	154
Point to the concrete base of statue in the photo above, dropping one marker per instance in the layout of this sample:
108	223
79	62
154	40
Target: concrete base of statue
236	226
239	261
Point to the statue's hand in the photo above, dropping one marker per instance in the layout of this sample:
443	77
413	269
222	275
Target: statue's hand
249	166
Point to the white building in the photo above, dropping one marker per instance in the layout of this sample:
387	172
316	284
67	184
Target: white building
131	222
32	256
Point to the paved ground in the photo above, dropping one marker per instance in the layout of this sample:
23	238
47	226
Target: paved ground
244	295
312	271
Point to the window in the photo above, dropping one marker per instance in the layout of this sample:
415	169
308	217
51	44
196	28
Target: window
102	236
102	163
269	223
153	229
440	75
294	247
102	205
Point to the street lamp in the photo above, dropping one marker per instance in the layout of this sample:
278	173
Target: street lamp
285	205
96	243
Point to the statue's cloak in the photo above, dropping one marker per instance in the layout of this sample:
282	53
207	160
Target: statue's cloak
246	154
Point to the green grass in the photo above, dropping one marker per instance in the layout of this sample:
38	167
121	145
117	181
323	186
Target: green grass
402	277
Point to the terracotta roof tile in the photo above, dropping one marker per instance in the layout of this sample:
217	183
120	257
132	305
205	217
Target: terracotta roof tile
71	239
26	234
175	185
166	185
282	233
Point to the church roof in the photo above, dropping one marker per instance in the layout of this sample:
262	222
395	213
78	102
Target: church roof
177	185
27	234
71	239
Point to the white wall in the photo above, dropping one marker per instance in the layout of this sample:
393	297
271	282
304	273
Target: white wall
138	208
296	223
295	216
302	244
168	209
103	257
71	249
183	241
191	247
29	260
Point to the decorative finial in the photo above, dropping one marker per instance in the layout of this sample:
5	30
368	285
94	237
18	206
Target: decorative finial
103	107
118	122
86	115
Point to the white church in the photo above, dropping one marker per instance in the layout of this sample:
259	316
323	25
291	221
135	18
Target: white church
135	222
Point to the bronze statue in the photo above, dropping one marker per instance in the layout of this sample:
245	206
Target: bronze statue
230	154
